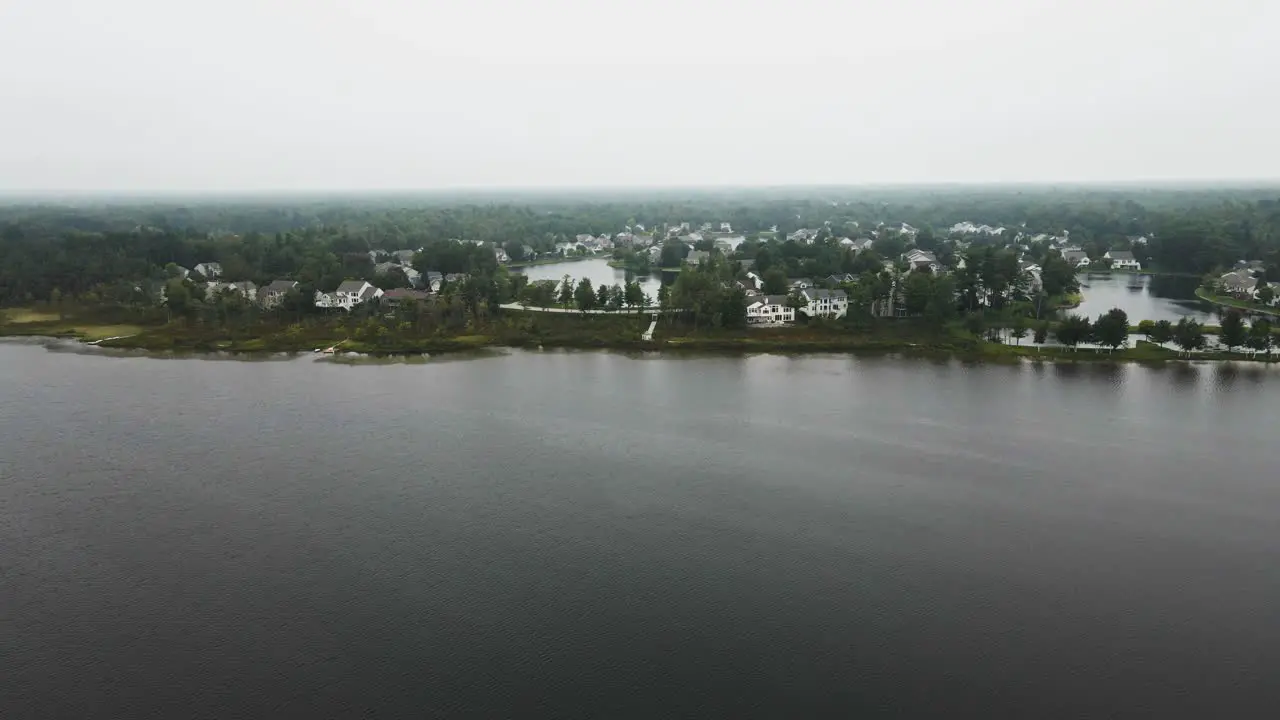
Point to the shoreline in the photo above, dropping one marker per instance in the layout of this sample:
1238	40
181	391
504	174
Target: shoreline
1143	352
1233	304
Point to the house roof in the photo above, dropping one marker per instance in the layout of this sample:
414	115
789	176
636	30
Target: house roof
1075	255
1120	255
351	286
405	294
281	286
1239	281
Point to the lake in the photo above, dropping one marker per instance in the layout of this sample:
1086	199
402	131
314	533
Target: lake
596	270
560	535
1143	297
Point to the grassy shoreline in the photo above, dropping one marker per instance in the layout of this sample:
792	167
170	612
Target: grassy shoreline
1223	301
617	333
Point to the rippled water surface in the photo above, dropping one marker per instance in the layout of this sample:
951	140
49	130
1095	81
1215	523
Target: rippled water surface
595	535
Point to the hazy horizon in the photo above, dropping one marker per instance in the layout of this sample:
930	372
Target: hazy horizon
142	97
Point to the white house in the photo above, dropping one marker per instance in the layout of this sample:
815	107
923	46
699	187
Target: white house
1239	284
1122	260
769	310
726	227
825	303
803	236
246	288
500	254
209	271
923	260
349	294
1078	258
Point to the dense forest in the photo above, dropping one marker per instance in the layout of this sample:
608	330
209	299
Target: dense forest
81	246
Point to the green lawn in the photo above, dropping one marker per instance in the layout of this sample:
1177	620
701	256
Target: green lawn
1232	302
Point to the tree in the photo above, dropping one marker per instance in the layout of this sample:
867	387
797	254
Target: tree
1042	333
1266	294
1260	338
796	301
55	299
942	299
515	250
566	291
1162	332
1147	327
602	296
584	295
633	294
775	282
1073	330
917	290
975	323
1112	328
1019	329
1233	333
733	308
1189	335
673	253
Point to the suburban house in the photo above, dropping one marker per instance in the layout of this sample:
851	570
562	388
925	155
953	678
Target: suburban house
918	259
247	288
825	303
751	285
697	257
1122	260
1033	273
349	294
432	281
1239	284
273	294
209	271
802	236
726	227
244	287
500	254
394	298
769	310
1078	258
861	244
405	257
800	284
837	279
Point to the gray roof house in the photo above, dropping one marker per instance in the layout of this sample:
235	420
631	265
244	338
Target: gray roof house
1239	283
825	303
1076	257
697	257
273	294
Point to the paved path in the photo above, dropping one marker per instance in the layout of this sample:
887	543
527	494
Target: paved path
648	334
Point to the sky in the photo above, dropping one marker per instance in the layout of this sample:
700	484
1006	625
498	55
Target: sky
301	95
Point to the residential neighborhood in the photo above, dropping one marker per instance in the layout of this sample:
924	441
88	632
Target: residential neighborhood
399	275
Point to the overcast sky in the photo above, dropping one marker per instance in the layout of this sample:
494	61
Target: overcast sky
224	95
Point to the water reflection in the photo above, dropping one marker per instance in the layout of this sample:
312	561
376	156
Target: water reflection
597	270
1143	297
